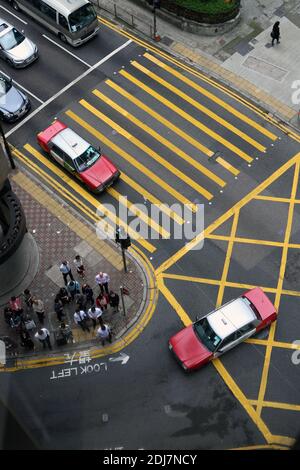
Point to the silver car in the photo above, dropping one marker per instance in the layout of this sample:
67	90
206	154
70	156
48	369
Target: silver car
15	48
13	103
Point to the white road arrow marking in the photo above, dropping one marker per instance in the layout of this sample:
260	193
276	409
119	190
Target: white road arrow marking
123	357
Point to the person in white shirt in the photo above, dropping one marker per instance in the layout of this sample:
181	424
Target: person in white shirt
80	318
66	271
39	309
95	314
102	279
43	336
104	333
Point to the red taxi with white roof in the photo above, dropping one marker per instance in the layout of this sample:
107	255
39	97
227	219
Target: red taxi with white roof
78	156
222	329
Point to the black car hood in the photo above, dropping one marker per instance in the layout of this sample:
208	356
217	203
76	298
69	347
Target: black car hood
12	101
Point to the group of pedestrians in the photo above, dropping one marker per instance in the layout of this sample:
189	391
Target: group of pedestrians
88	313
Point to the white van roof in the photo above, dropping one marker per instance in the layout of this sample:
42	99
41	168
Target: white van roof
66	7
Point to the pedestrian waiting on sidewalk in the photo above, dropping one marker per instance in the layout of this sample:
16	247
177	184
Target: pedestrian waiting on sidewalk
80	301
73	288
88	292
65	330
28	299
95	314
43	336
64	295
59	308
114	301
66	271
80	318
26	341
38	308
102	301
275	33
104	334
102	279
15	304
79	266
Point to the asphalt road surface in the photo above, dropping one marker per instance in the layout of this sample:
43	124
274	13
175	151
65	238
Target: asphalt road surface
177	137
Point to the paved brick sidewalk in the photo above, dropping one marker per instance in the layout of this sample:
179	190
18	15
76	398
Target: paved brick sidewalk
60	235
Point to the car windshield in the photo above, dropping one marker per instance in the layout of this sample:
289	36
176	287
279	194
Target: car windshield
5	86
82	17
11	39
206	334
87	158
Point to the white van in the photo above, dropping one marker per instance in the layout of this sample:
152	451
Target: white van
73	21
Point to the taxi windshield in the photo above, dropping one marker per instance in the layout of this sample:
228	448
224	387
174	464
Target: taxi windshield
206	334
82	17
11	39
87	158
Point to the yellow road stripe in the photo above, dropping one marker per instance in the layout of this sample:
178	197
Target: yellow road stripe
278	405
179	132
265	372
275	344
173	302
276	199
138	213
227	166
250	241
236	285
226	91
199	106
154	155
227	259
224	217
213	98
108	214
140	190
216	362
135	163
186	116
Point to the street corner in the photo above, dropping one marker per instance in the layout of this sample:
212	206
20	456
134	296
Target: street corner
60	235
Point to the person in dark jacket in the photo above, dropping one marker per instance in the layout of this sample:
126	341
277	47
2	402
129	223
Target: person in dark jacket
275	34
114	300
59	308
88	292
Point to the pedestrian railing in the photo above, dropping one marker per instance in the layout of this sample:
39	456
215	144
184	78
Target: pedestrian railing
113	9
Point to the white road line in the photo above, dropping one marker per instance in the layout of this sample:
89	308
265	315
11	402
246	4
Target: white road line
66	50
87	72
11	13
25	89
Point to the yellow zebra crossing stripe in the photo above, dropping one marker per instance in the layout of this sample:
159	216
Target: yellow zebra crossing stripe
177	131
154	155
148	196
205	110
182	113
212	97
92	200
130	159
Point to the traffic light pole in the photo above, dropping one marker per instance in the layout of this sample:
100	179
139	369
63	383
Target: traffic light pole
124	259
